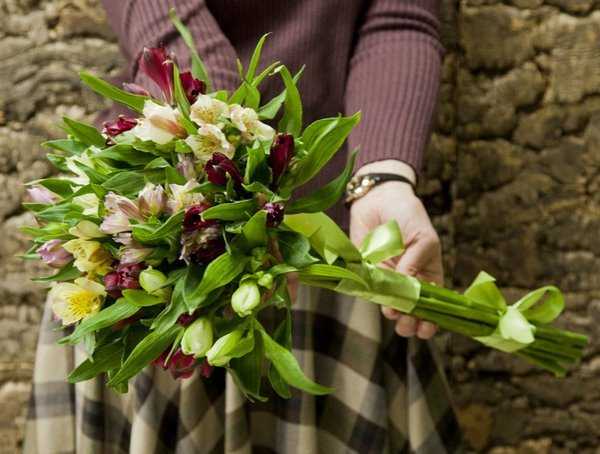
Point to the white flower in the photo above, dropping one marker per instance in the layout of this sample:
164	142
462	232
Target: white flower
209	139
72	302
160	124
116	203
115	223
181	196
89	203
246	120
207	110
151	200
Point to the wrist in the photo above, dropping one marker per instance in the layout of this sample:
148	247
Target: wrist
389	166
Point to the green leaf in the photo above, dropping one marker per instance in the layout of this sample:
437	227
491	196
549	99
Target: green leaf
328	195
135	102
270	109
105	358
291	121
255	59
84	133
120	310
289	369
382	243
198	68
330	272
69	146
321	150
247	371
257	168
168	317
126	183
221	271
233	211
483	290
255	230
149	348
295	249
125	153
180	98
163	233
141	298
58	213
66	273
59	186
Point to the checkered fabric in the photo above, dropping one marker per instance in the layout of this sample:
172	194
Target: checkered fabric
390	397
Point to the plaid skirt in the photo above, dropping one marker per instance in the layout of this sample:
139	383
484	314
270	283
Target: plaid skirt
390	396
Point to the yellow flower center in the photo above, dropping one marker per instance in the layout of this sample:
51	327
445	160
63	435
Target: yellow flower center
83	303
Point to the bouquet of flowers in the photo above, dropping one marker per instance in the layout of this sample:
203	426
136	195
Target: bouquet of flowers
174	230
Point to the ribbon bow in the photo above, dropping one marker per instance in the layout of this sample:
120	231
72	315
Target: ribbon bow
515	328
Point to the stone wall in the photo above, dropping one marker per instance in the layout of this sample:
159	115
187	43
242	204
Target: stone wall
512	181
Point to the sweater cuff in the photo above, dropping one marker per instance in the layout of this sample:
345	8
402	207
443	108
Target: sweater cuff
395	85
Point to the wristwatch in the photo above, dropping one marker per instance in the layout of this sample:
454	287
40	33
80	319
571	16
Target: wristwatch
360	185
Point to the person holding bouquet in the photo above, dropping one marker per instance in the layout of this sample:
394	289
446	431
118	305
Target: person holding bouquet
381	57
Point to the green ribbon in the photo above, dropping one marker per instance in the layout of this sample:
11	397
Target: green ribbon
515	328
372	283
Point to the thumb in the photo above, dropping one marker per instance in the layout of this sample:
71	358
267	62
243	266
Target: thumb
418	258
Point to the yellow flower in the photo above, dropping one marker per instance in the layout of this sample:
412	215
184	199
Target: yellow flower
72	302
86	230
90	256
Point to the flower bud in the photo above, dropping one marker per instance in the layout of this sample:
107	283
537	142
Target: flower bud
152	281
152	200
245	298
53	254
280	155
218	355
266	280
274	214
40	194
197	338
120	125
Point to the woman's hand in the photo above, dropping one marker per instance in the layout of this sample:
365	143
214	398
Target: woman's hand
422	257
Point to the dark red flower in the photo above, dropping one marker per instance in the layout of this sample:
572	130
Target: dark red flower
274	214
218	167
208	250
281	155
121	124
206	369
135	89
186	319
124	277
179	364
111	283
191	86
157	64
193	221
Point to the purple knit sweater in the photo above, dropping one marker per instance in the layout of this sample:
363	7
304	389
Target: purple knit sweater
379	56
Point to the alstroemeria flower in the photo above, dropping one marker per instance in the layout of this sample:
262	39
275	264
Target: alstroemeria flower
126	276
209	111
90	256
115	223
75	301
135	89
193	218
186	167
280	155
218	355
209	139
191	86
54	254
120	125
89	202
203	245
157	64
40	194
131	252
181	196
116	203
160	124
274	213
197	338
246	120
218	167
179	364
86	230
152	200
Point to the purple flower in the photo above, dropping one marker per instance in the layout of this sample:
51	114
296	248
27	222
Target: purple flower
111	284
274	213
191	86
53	254
218	167
186	167
126	276
157	64
39	194
120	125
179	364
193	221
281	154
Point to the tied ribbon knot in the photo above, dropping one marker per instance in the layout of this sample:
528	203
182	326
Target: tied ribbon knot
516	326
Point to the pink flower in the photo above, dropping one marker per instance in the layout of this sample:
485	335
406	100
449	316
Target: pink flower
115	223
218	167
186	167
281	154
39	194
120	125
118	204
274	214
53	254
152	200
191	86
157	64
179	364
132	251
135	89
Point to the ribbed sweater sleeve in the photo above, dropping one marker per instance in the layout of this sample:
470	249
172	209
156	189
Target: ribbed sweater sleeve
394	80
146	23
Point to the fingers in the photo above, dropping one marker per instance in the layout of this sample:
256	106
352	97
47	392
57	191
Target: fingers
423	259
408	326
426	330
